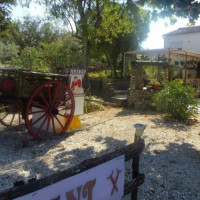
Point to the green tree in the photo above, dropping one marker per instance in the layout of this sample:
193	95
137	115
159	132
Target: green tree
49	33
7	51
65	52
28	32
123	28
115	24
30	58
53	56
5	7
31	32
169	8
78	14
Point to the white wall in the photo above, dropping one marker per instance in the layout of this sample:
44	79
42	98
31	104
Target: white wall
189	41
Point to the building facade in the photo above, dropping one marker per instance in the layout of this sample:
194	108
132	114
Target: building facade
187	38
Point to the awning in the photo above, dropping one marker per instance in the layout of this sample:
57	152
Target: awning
168	53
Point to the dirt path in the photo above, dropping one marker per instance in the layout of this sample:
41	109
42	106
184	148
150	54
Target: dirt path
170	160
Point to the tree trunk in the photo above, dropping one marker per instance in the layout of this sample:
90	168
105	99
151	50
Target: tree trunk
113	62
85	62
114	65
85	53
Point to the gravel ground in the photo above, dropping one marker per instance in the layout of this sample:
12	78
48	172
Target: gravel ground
170	160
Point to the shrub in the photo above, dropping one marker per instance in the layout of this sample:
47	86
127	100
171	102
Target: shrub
90	106
30	59
99	75
102	75
176	100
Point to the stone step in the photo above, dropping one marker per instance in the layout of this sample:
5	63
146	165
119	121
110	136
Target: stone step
119	86
121	101
120	92
121	96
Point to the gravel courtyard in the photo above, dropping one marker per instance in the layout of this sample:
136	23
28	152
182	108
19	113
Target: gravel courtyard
170	160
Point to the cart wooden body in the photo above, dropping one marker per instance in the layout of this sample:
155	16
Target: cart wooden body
43	101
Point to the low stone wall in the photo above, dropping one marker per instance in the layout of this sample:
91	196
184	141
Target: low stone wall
140	99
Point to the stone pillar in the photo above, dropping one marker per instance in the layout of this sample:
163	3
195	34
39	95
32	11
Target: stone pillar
136	74
137	98
135	80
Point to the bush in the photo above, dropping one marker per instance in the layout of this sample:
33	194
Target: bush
176	100
90	106
30	59
99	75
102	75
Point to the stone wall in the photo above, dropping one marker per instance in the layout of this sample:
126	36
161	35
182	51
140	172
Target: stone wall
139	98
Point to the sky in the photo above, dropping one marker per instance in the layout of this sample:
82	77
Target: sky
153	41
159	28
19	12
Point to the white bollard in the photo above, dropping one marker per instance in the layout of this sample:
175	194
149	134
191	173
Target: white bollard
139	131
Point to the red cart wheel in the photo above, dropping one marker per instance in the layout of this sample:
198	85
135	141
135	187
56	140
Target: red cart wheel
11	113
50	110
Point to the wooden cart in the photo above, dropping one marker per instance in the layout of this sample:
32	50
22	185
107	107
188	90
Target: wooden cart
43	101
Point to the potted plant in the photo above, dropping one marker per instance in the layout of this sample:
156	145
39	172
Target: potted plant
156	85
140	86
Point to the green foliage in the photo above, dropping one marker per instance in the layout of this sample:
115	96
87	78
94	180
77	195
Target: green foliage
78	14
27	33
5	7
108	38
50	56
123	27
99	75
156	83
181	8
176	100
107	28
173	73
162	76
198	101
116	22
31	32
30	59
151	71
102	75
7	51
62	53
90	106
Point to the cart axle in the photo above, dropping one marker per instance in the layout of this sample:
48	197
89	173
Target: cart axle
54	111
